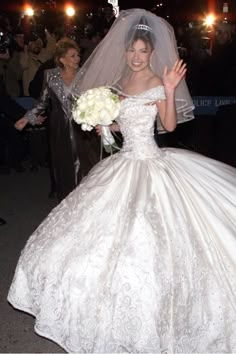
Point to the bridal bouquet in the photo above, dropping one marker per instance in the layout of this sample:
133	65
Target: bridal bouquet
98	106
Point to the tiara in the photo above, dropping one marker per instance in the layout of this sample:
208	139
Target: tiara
143	27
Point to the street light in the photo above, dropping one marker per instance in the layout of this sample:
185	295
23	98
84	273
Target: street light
70	11
29	11
209	20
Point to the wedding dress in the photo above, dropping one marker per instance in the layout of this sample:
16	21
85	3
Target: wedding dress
141	257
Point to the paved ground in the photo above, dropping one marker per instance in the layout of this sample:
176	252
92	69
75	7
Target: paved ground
24	204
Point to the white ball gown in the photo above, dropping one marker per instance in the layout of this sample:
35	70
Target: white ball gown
141	257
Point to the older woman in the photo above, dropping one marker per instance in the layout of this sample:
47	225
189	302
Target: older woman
73	152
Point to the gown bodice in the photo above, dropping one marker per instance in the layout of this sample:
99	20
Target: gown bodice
136	121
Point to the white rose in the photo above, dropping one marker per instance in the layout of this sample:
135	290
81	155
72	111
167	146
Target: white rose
89	97
99	104
76	115
77	112
85	127
90	103
104	113
82	106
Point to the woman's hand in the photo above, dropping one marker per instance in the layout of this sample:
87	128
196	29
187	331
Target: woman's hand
98	129
40	119
172	78
21	123
114	127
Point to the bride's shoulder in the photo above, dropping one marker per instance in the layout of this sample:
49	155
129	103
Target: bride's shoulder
155	81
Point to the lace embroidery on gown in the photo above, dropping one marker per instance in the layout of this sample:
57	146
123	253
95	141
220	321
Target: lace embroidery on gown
141	256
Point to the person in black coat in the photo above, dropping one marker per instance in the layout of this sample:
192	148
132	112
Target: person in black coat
10	112
72	152
8	105
10	109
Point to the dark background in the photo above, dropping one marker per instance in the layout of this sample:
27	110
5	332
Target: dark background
181	8
177	11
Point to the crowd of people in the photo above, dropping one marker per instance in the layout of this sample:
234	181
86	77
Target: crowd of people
210	54
27	52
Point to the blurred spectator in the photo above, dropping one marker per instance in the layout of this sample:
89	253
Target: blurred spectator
34	55
222	67
11	141
88	44
36	85
199	56
14	70
105	19
182	40
4	48
109	17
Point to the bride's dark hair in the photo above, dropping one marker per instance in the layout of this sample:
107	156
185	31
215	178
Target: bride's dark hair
140	31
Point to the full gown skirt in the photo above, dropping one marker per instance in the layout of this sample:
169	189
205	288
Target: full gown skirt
141	257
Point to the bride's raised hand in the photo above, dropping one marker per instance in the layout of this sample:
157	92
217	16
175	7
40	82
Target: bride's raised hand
172	78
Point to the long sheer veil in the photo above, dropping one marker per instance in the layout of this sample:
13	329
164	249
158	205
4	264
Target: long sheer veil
107	64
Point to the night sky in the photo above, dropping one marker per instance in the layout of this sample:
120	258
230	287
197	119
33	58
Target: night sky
124	4
182	9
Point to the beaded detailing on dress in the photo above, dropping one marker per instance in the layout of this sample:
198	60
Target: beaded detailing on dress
136	121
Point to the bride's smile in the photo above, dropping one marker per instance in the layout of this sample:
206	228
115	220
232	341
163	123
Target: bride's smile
138	55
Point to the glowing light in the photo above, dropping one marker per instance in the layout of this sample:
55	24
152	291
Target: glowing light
70	11
29	11
210	20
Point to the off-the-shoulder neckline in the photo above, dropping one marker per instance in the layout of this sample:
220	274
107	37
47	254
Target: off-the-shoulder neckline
137	94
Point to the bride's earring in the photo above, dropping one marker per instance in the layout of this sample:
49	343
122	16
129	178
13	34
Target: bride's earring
150	63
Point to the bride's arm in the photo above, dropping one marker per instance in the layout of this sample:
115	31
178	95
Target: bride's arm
166	109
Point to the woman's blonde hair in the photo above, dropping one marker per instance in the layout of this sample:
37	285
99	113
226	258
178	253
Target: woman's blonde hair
62	47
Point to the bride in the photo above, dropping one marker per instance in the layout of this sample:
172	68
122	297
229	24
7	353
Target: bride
141	256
